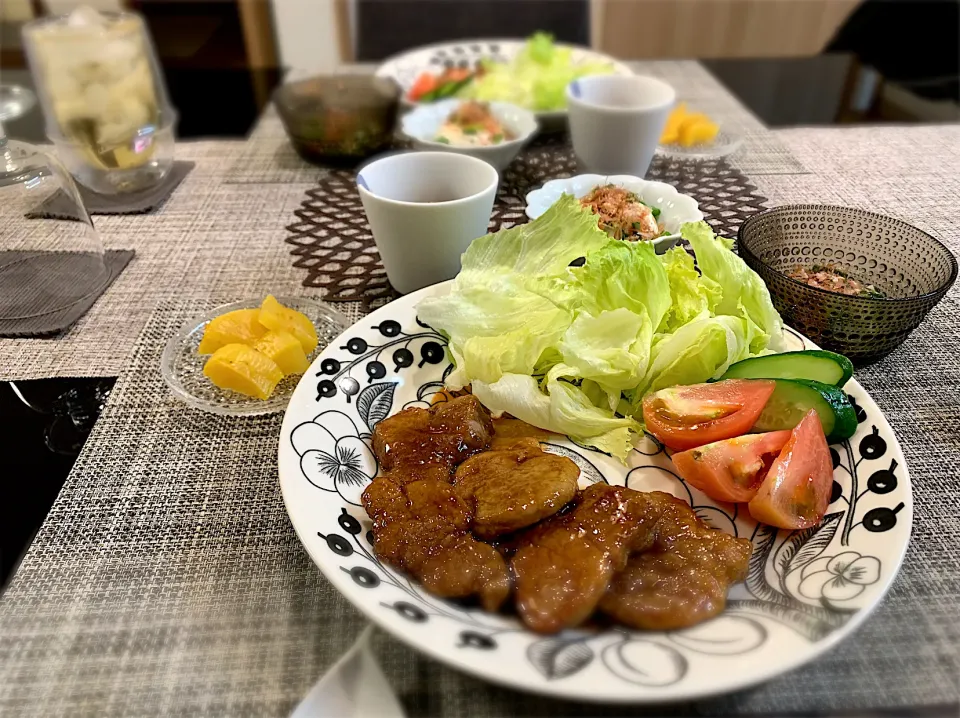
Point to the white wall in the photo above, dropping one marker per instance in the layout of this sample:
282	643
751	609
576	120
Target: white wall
306	33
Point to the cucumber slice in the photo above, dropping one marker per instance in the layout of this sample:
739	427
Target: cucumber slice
795	397
816	365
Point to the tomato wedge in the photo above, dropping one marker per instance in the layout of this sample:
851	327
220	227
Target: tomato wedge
456	74
425	82
796	492
733	469
685	417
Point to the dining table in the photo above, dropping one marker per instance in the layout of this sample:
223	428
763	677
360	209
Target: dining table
167	578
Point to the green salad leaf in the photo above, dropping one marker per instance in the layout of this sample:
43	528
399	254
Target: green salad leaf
701	350
690	294
536	78
515	296
742	292
625	274
562	407
575	349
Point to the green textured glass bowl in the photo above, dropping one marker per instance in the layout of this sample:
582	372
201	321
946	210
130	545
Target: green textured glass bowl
338	118
911	268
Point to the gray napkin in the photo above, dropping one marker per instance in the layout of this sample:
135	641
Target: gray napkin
39	292
57	206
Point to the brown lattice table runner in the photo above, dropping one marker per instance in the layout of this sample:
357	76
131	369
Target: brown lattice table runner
333	243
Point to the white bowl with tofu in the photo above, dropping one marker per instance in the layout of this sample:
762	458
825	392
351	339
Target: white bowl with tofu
655	213
446	126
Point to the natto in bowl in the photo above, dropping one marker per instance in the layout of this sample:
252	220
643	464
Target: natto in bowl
911	269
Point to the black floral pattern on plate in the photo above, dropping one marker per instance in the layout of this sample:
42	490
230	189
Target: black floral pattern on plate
799	579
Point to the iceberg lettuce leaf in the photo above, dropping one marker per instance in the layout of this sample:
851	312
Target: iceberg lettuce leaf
743	292
563	408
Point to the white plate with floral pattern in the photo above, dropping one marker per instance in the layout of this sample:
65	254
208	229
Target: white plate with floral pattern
675	208
406	67
806	590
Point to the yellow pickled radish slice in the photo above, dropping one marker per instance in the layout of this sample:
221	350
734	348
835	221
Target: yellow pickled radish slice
244	370
698	131
285	350
274	315
671	131
241	326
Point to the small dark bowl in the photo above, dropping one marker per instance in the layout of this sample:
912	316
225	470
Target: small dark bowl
910	267
338	119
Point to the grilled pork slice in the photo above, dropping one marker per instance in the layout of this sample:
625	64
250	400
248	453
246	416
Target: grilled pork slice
515	487
417	444
682	578
423	528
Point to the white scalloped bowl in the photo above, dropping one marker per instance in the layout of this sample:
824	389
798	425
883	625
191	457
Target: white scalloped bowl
422	124
675	208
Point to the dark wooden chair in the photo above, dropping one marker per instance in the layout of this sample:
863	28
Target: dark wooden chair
879	30
371	30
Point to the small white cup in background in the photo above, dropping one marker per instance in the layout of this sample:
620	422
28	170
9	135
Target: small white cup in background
424	209
616	121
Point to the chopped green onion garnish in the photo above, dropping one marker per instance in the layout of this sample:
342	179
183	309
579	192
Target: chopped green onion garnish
497	138
655	211
471	130
443	140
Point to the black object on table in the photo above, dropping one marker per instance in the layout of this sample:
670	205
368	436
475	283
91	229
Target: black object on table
45	423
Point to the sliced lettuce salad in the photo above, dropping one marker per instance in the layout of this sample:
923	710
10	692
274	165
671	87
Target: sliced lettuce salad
536	78
575	349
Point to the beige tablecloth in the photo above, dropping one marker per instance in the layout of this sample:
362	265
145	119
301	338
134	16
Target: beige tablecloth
209	240
167	579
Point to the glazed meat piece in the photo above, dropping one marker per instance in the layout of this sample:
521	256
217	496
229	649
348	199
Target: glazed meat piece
563	566
507	431
682	578
512	488
422	527
418	444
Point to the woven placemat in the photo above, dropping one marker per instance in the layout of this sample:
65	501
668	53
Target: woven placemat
167	579
53	303
333	243
59	206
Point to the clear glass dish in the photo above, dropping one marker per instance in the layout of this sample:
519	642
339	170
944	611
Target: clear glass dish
724	144
182	367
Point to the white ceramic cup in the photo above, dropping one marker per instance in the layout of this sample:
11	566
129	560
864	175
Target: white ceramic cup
616	122
424	209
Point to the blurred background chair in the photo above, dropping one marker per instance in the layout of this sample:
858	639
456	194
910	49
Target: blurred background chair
380	28
804	61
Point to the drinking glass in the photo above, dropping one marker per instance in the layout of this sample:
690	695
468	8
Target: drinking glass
103	98
47	264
